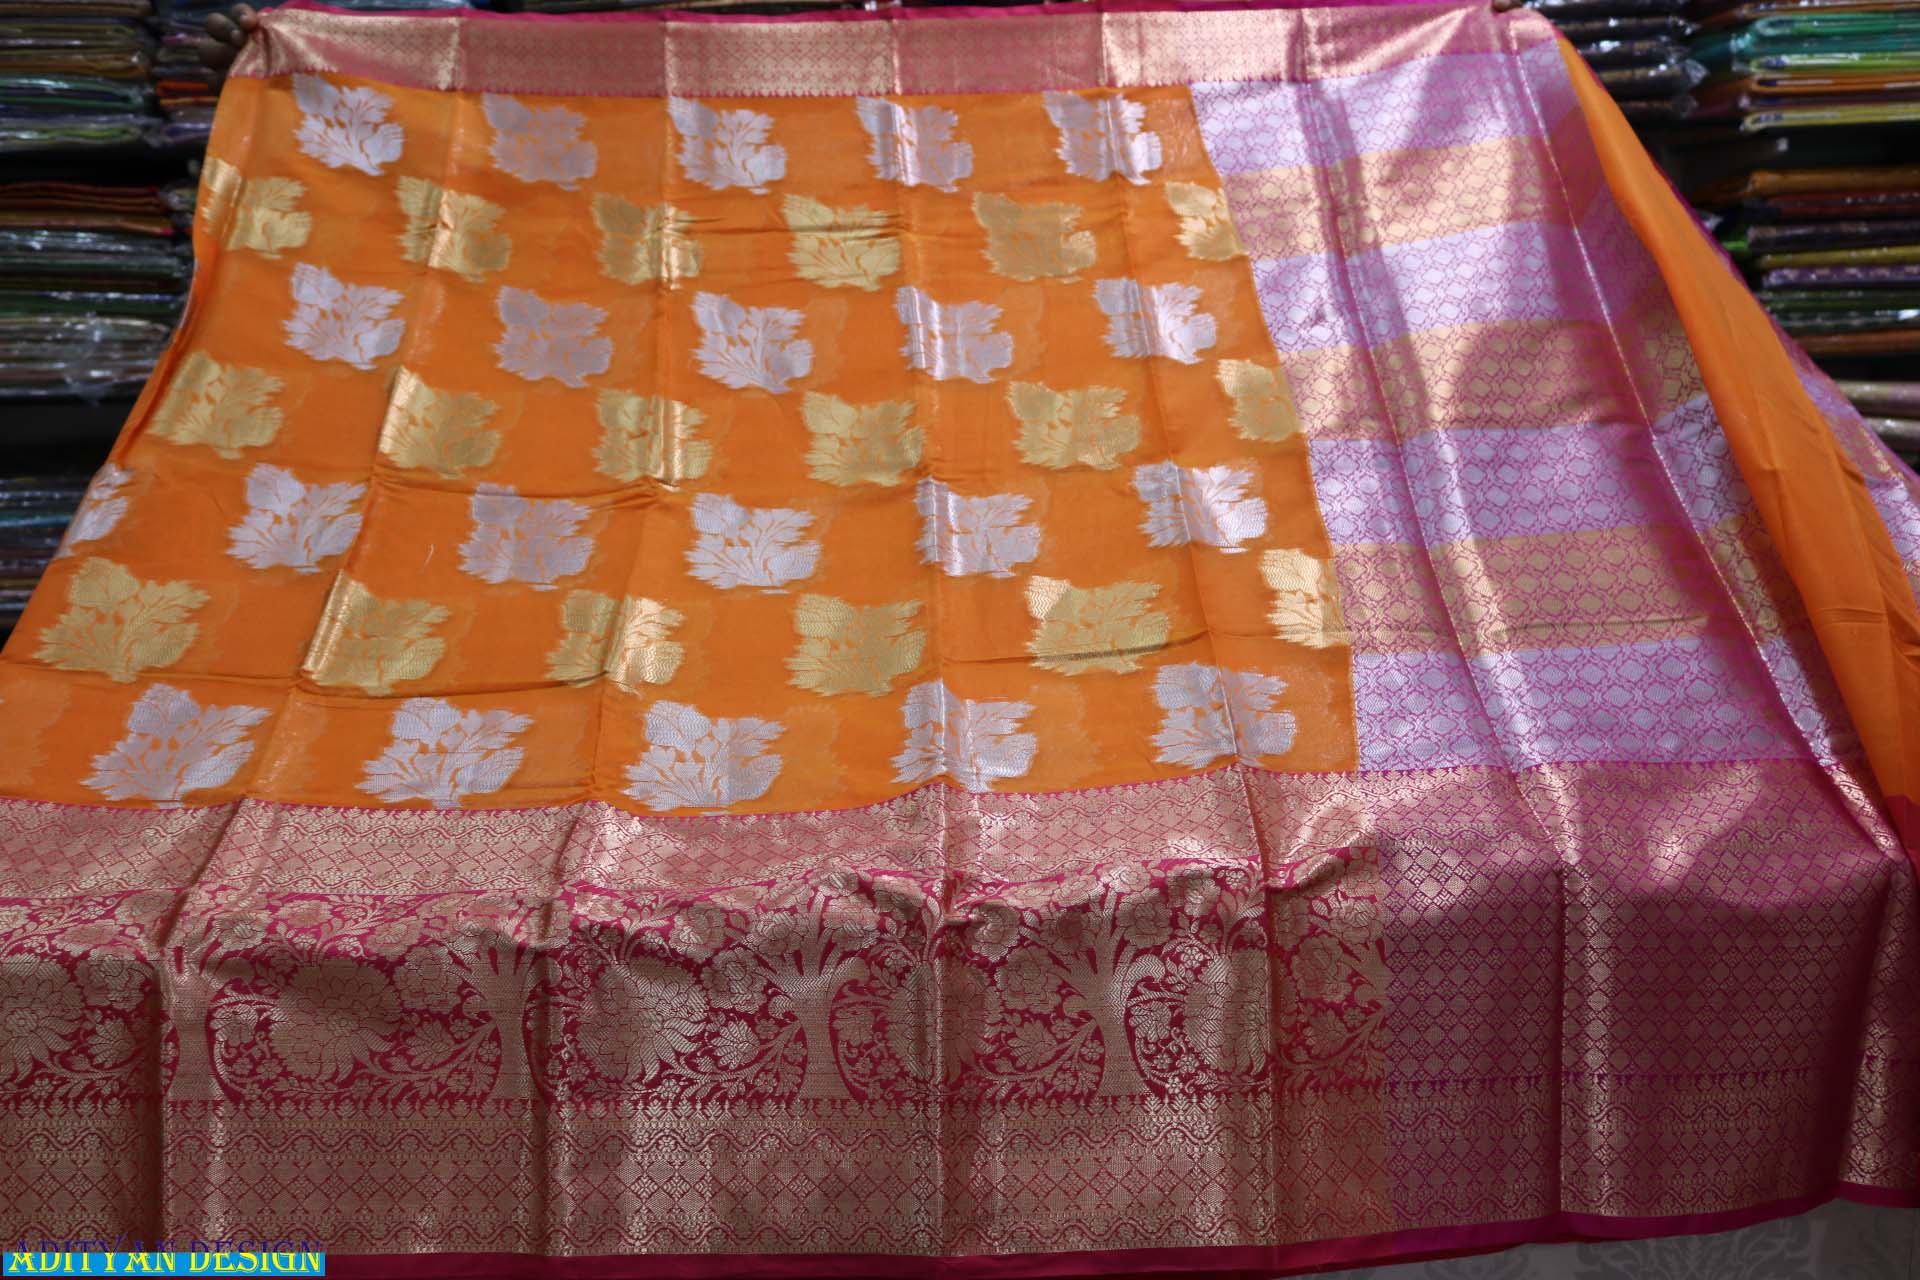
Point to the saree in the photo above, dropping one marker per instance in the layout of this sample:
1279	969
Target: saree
1038	642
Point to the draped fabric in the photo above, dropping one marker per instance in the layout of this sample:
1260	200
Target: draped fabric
1010	644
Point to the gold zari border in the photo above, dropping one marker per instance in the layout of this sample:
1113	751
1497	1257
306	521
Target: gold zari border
897	52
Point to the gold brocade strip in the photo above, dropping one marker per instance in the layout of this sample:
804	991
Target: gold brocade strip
925	52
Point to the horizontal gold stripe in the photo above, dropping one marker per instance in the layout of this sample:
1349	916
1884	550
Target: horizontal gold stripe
630	55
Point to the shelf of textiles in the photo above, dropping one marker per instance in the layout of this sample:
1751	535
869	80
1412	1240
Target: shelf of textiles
1794	127
101	122
105	110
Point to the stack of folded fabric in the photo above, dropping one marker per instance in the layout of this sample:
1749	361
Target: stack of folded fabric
1637	48
1802	148
34	514
73	73
188	90
1892	410
1775	65
92	277
195	12
185	87
1834	253
92	264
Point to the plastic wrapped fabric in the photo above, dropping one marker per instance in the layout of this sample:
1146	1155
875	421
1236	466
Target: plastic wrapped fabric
1557	9
1901	433
1665	80
1896	399
1879	255
1632	53
1633	27
1883	343
1786	236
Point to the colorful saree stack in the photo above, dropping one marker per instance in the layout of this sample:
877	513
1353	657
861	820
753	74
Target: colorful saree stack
1834	248
1068	641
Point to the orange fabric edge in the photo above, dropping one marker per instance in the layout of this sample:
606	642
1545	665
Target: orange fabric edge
1812	499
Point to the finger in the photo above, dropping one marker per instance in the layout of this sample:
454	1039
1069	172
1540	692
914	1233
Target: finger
248	18
220	27
217	54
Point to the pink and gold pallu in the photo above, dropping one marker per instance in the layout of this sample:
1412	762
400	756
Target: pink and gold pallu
993	644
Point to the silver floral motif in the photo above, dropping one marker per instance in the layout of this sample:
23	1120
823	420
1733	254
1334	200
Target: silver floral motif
1206	505
638	1019
967	535
539	144
100	511
952	340
346	128
750	346
974	743
1103	136
294	524
1209	712
722	149
334	1015
914	146
174	746
517	539
558	340
1154	320
333	320
741	546
443	755
696	762
40	1010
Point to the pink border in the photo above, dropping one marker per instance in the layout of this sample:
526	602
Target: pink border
1114	44
899	13
1206	1263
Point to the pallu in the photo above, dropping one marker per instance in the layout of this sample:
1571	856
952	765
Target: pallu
1059	641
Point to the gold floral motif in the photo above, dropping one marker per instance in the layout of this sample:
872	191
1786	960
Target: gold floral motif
860	443
1083	427
223	406
640	1018
451	231
586	627
1033	241
219	185
267	219
1263	407
119	625
337	1014
443	431
1306	598
1084	629
1206	228
44	1011
644	436
259	213
840	247
370	643
624	640
849	648
643	243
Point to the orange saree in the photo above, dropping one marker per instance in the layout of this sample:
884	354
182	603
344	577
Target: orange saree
1049	642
